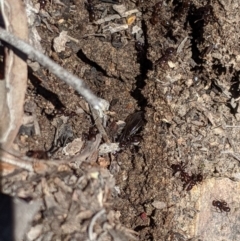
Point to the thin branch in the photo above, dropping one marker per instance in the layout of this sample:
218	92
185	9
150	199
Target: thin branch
55	68
92	223
30	164
11	159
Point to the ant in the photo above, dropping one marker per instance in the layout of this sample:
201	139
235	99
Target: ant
42	3
38	154
177	168
59	112
155	15
92	132
166	23
189	181
180	168
221	205
90	8
182	8
192	180
165	58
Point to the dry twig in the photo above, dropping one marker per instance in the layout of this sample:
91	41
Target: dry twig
92	223
56	69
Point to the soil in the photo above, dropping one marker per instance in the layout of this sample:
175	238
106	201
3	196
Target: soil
182	72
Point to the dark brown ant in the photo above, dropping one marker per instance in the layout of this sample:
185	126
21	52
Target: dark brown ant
91	135
91	10
155	15
59	112
221	205
166	23
169	51
192	181
93	131
165	58
182	8
189	181
178	168
38	154
42	3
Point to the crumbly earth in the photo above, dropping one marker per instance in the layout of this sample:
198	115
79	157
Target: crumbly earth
189	98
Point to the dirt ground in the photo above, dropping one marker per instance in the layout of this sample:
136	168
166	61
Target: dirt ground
181	68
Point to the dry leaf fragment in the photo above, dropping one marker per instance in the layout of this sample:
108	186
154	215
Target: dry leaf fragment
12	89
131	19
60	42
73	147
108	148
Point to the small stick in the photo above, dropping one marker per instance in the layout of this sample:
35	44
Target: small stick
10	159
92	223
75	82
